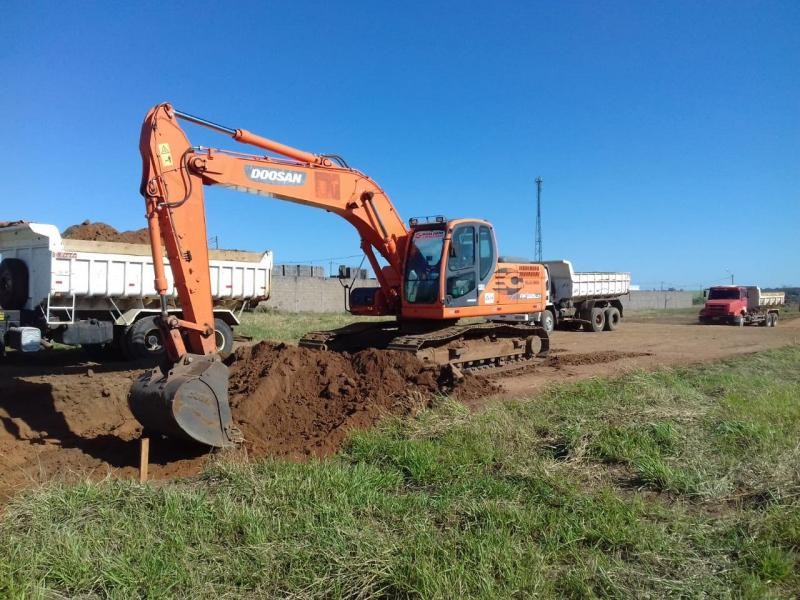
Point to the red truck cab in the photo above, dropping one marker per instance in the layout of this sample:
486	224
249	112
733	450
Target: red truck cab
726	303
742	305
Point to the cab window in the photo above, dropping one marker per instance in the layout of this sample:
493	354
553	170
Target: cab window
485	250
422	266
462	249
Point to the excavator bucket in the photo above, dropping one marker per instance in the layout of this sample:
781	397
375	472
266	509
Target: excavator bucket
190	401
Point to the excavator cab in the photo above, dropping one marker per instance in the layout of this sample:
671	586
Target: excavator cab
448	267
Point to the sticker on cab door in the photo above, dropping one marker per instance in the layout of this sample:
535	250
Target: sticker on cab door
488	298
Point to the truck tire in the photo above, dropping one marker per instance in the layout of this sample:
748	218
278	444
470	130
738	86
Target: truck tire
224	337
143	340
774	320
597	320
13	284
548	321
612	318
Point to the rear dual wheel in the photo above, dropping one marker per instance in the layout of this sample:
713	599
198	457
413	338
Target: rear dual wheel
597	320
612	318
144	341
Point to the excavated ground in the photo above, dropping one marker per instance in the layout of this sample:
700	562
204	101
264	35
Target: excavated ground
65	418
102	232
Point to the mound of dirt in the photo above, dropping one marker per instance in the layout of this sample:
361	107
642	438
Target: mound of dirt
102	232
591	358
291	401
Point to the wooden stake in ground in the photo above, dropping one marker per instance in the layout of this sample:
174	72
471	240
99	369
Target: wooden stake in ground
144	458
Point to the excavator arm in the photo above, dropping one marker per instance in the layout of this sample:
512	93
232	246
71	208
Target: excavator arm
188	397
173	176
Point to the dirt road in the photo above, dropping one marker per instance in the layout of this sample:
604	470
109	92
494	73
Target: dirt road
646	345
63	417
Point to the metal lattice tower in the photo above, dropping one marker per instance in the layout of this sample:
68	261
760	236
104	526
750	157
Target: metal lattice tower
538	249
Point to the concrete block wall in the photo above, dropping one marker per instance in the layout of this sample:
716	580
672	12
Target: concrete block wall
657	300
316	294
310	294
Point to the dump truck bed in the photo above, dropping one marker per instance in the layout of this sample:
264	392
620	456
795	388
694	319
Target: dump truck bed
92	271
565	283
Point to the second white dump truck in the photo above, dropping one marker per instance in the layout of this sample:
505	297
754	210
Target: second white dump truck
101	295
591	300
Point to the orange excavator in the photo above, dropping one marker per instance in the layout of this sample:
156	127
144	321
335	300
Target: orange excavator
431	274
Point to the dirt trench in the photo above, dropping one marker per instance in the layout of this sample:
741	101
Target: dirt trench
61	417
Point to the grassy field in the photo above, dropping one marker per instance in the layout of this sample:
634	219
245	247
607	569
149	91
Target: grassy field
680	482
289	327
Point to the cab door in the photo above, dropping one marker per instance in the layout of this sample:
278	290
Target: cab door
461	276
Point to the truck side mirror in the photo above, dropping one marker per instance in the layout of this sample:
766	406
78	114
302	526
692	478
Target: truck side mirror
345	272
705	294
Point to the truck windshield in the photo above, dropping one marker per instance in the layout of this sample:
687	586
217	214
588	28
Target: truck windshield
723	294
422	266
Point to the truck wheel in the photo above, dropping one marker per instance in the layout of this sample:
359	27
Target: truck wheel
13	284
143	339
548	321
597	320
223	334
612	318
774	320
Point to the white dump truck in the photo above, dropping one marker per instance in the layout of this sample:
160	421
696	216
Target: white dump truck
579	299
101	295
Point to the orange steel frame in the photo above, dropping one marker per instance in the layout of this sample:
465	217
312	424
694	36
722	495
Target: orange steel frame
174	174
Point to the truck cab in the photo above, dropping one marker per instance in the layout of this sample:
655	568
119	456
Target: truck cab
724	303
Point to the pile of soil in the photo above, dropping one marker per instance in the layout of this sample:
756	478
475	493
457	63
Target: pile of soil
591	358
102	232
298	402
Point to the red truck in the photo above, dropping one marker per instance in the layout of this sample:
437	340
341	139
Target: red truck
741	305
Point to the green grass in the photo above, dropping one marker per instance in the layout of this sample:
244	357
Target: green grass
690	315
290	327
681	482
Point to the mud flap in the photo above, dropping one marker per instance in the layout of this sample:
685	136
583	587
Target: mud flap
190	402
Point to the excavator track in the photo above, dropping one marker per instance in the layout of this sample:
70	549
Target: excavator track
484	347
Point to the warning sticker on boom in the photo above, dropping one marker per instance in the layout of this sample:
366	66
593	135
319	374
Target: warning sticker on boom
166	155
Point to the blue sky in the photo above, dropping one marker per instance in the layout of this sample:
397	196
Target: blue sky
667	133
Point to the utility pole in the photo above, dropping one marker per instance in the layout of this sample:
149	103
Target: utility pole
538	248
